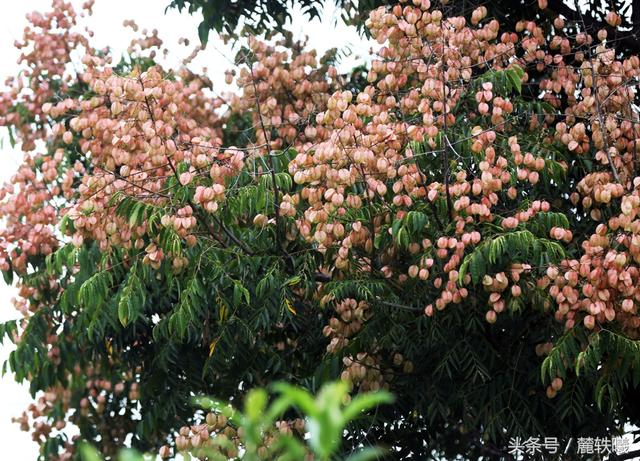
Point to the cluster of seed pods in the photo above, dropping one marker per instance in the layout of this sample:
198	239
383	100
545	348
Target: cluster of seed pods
216	434
351	315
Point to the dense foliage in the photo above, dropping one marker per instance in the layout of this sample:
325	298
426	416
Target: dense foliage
458	224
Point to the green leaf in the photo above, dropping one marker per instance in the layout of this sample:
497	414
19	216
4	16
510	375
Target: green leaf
515	81
89	453
8	276
367	454
545	369
137	214
64	223
255	404
292	449
291	281
203	33
12	138
402	238
478	267
364	402
130	455
239	291
327	425
123	312
298	397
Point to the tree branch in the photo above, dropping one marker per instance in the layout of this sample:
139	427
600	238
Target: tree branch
630	41
196	209
276	191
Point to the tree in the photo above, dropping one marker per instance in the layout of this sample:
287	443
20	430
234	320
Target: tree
266	15
458	224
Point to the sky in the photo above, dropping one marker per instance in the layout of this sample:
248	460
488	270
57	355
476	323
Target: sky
106	22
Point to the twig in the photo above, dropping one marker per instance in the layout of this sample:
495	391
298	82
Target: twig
276	191
200	213
444	126
603	128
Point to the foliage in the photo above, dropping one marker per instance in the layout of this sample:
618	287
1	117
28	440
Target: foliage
458	225
264	15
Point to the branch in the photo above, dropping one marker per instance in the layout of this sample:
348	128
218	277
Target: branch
444	131
196	209
601	123
229	234
276	191
321	277
423	182
630	41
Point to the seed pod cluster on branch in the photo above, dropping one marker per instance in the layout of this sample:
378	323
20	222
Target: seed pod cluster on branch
477	192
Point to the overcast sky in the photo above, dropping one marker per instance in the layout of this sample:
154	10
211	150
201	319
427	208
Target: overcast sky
107	25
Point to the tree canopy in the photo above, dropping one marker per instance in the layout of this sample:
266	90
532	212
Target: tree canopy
266	15
456	223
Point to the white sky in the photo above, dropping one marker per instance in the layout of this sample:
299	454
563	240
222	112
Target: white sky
107	25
